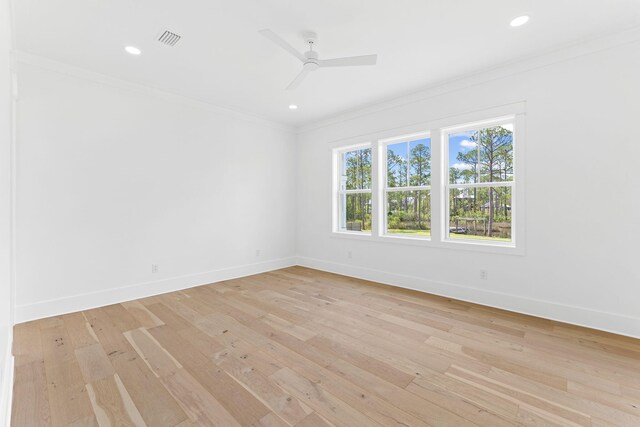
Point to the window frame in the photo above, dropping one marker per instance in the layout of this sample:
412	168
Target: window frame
437	130
383	147
447	186
339	193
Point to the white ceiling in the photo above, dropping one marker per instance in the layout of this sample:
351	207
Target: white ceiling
223	60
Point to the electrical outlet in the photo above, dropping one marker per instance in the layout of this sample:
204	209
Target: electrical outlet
154	268
484	275
349	254
257	252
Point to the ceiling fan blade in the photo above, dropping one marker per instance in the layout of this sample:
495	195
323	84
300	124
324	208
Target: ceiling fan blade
282	43
349	61
299	78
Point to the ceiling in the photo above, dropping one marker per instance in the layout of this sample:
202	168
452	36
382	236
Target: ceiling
223	60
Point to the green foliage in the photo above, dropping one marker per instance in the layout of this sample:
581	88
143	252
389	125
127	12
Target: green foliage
489	209
396	170
409	210
357	169
420	162
415	172
490	161
357	176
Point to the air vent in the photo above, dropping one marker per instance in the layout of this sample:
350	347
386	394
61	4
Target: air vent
169	38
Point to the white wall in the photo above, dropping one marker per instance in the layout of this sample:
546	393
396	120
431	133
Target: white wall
582	193
112	178
6	306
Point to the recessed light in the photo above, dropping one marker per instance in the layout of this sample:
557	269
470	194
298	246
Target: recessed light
293	107
133	50
520	20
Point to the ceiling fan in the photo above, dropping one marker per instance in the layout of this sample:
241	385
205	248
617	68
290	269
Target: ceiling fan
311	61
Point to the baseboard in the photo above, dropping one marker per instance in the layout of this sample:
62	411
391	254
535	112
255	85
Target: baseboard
58	306
6	392
580	316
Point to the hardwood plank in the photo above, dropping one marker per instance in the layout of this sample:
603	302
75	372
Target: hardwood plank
251	355
335	409
94	363
367	401
120	317
197	402
590	408
238	401
111	338
313	420
272	420
142	315
375	366
622	403
156	405
300	347
408	402
201	341
68	398
183	349
470	411
297	331
27	343
157	358
168	316
281	403
79	330
30	396
545	407
112	403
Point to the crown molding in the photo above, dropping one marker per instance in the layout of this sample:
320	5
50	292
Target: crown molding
506	69
103	79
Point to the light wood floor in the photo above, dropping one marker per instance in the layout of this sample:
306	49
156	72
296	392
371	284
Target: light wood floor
306	348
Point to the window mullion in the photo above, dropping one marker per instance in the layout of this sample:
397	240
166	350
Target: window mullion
483	184
412	188
437	177
376	157
408	163
358	191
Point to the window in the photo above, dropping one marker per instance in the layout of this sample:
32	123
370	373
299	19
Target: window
448	185
480	181
407	192
354	195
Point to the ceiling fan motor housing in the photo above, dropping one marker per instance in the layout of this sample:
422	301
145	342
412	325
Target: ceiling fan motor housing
311	63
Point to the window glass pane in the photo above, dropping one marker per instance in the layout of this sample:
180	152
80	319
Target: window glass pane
496	153
409	212
485	155
355	212
420	162
480	213
356	169
397	162
463	158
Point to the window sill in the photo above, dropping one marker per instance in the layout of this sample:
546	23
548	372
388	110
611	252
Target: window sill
405	240
502	248
355	235
466	245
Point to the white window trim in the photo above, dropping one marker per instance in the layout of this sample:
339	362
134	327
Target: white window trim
436	129
445	132
337	192
383	150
